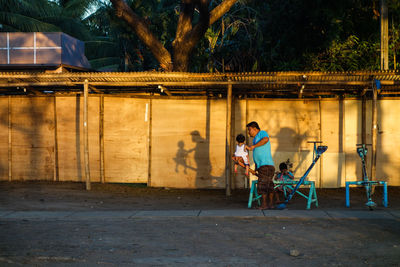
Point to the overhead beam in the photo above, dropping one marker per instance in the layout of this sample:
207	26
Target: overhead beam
201	84
94	89
164	89
301	91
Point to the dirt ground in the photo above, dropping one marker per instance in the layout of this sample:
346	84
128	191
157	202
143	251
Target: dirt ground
44	195
183	241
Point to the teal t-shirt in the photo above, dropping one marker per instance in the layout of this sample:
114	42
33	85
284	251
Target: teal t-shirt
262	154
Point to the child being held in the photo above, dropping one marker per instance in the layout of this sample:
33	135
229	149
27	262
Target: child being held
241	156
283	175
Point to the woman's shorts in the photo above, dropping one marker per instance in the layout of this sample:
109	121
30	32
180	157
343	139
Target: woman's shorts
265	175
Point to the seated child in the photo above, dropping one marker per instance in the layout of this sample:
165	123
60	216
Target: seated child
283	175
241	156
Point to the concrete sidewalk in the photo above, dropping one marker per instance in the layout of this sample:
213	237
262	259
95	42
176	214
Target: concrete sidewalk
238	213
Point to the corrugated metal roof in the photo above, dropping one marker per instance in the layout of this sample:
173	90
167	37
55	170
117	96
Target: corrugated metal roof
200	84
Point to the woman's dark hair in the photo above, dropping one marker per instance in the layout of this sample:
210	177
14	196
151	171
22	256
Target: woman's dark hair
282	166
240	138
253	124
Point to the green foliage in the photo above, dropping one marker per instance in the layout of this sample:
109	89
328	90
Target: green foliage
61	16
351	54
273	35
107	63
77	8
40	16
20	15
230	42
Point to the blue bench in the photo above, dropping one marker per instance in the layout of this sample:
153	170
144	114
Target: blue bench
287	185
367	184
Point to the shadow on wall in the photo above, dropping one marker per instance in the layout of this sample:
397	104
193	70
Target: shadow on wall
202	158
383	160
289	141
200	152
3	162
32	153
203	177
181	158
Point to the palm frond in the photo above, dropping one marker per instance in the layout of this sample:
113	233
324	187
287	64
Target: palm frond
78	8
70	26
106	61
101	49
114	67
37	8
25	23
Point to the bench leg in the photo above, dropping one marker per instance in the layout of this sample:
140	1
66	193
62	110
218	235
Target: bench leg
251	196
310	197
385	197
347	194
315	196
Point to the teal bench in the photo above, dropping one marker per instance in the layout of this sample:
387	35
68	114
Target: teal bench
288	185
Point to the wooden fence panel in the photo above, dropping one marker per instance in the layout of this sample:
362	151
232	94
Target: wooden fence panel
32	138
126	130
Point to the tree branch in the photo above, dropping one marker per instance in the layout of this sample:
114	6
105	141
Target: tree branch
220	10
185	20
141	29
192	37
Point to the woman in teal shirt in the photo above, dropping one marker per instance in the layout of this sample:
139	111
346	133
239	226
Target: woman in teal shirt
264	163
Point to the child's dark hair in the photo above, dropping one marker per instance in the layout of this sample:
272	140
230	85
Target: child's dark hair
282	166
240	138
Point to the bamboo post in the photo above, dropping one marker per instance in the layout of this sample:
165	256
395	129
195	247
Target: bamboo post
150	114
233	127
320	180
364	120
101	136
56	172
86	133
228	139
9	141
364	125
374	131
247	181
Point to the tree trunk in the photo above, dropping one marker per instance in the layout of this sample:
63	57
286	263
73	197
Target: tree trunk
186	37
143	32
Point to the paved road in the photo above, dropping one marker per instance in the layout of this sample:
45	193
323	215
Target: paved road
242	237
239	213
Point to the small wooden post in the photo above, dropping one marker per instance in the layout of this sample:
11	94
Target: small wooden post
86	133
101	136
233	127
364	119
9	141
150	115
320	180
374	131
228	139
364	125
56	173
246	180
